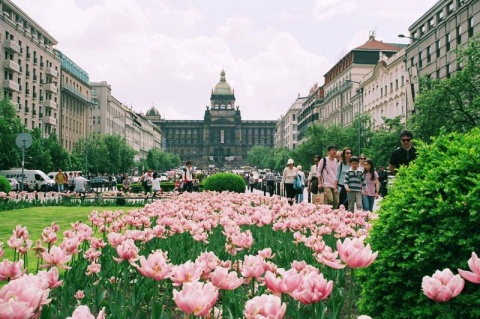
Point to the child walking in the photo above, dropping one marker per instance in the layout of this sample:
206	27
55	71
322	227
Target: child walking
373	185
354	185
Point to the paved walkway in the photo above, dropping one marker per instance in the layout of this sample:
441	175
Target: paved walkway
305	197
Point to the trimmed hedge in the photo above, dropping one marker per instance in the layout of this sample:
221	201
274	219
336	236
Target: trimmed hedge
429	221
4	185
225	182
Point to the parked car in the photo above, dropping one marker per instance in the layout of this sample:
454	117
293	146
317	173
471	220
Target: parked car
99	181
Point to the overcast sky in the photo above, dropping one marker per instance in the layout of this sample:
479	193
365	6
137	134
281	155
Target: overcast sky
169	53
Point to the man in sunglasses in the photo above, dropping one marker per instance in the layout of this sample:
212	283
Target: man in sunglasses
404	154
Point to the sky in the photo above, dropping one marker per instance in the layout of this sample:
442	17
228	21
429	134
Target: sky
169	53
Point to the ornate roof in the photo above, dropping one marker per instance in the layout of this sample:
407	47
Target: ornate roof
373	44
152	112
222	87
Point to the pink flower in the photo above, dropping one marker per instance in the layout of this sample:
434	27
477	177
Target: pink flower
11	270
265	306
474	274
196	298
56	257
354	253
287	283
93	268
222	279
266	253
252	267
83	312
312	288
156	266
51	277
127	251
186	272
443	285
22	298
79	294
49	235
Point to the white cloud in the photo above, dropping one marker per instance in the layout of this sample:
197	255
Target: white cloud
170	53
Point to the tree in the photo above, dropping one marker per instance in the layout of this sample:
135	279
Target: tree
452	103
258	156
10	127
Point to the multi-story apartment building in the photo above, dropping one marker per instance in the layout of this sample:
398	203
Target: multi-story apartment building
287	126
75	103
436	34
110	116
30	69
341	81
383	92
309	113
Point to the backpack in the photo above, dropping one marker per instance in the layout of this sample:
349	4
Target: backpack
297	183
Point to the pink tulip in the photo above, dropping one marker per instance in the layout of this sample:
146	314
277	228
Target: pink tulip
22	297
11	270
265	306
83	312
312	288
22	232
156	266
39	249
127	251
56	257
353	253
252	267
186	272
196	298
79	295
49	235
474	274
93	268
222	279
286	283
443	285
51	277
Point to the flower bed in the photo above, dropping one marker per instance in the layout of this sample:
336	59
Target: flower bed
201	254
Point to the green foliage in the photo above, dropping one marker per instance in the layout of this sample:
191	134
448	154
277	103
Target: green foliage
10	127
457	96
101	154
4	185
225	182
161	161
429	221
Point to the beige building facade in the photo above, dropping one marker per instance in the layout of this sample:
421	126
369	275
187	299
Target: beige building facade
110	116
286	134
31	69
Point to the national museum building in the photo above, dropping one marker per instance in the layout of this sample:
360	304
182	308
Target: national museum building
221	138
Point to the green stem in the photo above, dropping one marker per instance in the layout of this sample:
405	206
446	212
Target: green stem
350	292
153	299
125	285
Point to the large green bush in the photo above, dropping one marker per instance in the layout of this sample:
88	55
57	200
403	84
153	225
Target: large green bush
225	182
430	220
4	184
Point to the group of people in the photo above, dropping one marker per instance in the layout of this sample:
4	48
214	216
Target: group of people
188	183
343	179
75	183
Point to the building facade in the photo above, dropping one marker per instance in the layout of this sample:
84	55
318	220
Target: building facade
75	103
31	69
110	116
435	35
343	79
310	110
287	125
222	138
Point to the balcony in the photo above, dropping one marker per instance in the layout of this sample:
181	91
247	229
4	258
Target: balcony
50	104
11	85
12	66
52	72
50	120
50	87
26	110
11	46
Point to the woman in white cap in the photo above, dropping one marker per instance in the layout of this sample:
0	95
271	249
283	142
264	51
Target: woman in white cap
289	174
